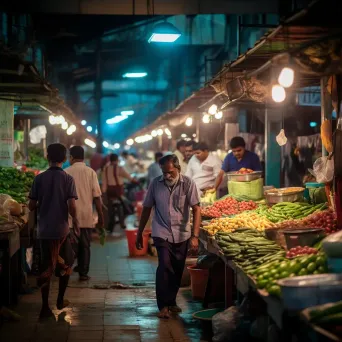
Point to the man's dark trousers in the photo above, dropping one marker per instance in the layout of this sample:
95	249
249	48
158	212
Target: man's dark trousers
171	262
84	251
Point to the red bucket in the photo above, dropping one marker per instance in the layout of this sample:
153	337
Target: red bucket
131	235
199	279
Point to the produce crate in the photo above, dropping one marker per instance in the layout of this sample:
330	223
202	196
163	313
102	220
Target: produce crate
253	190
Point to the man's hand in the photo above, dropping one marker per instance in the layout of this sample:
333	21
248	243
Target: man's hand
194	243
100	221
139	243
76	227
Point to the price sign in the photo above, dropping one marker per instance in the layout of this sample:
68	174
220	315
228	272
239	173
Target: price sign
6	133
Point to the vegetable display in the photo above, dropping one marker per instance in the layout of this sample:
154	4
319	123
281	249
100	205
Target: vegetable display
37	160
299	250
228	206
287	210
330	316
246	219
15	183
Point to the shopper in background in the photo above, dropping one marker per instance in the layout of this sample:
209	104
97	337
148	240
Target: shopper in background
54	194
203	167
189	150
113	186
171	196
154	169
239	158
89	192
180	154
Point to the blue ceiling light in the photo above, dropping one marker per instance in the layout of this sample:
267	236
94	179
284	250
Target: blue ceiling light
164	33
89	129
313	124
127	112
134	74
116	119
83	122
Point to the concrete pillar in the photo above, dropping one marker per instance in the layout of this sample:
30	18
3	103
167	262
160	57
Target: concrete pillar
6	133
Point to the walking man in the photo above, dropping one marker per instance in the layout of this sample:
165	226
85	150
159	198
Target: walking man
89	192
171	196
54	194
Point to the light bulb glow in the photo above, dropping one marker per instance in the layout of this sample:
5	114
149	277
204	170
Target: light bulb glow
160	131
65	125
286	77
167	131
219	115
213	109
116	146
154	133
183	135
90	143
83	122
278	93
105	144
134	74
127	112
52	120
206	118
89	129
130	142
164	37
188	121
72	128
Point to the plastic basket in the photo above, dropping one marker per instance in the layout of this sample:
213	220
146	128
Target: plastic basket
252	190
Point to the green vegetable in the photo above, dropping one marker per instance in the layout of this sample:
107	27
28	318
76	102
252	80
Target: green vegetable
331	310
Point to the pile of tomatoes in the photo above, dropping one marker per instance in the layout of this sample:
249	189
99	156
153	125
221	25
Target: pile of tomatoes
299	250
229	206
324	219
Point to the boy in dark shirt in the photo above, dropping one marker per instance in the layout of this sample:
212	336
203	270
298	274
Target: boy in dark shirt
53	193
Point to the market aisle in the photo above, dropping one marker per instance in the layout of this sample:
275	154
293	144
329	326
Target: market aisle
107	314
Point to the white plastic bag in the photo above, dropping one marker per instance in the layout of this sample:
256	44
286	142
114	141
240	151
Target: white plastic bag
323	170
225	323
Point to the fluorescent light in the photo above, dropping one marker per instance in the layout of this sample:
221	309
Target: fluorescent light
127	112
96	131
313	124
164	33
89	129
90	143
167	131
105	144
116	146
116	119
83	122
130	142
134	74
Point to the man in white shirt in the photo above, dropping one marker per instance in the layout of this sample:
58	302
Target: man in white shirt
203	167
89	192
180	154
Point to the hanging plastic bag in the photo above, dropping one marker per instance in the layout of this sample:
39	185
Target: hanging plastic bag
323	170
281	138
225	323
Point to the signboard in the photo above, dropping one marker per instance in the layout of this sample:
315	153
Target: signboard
310	96
6	133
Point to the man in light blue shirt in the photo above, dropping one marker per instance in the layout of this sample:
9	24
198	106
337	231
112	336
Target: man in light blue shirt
154	169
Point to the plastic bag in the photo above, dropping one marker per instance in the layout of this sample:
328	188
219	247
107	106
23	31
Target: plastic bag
323	170
225	323
207	261
281	138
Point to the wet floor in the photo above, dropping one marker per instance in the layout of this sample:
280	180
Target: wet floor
101	314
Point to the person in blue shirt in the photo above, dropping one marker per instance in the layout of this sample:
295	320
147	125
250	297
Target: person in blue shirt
154	169
239	158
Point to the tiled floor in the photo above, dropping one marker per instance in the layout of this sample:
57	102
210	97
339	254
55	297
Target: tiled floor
107	314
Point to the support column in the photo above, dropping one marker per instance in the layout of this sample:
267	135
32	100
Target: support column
326	105
272	149
6	133
98	97
27	128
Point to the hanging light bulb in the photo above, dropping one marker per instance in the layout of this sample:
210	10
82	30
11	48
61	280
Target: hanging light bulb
130	142
278	93
154	133
213	109
160	131
52	120
206	118
219	115
286	77
167	131
188	121
65	125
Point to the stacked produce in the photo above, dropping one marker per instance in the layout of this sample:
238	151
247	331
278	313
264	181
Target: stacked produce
286	211
270	272
37	160
247	219
248	247
228	206
299	250
15	183
325	219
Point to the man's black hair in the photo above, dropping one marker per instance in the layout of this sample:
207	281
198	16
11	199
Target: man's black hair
190	143
170	158
201	146
124	154
77	152
237	142
113	157
158	155
181	143
56	153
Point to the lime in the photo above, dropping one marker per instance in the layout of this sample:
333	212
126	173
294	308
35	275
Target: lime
275	290
284	274
292	275
260	277
316	272
311	267
276	276
303	272
322	269
294	266
262	283
320	261
312	258
283	266
266	275
273	271
304	261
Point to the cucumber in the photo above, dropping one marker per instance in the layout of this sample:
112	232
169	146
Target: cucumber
332	310
331	319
